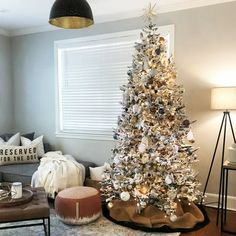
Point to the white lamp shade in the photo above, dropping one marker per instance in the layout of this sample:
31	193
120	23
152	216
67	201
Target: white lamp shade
223	98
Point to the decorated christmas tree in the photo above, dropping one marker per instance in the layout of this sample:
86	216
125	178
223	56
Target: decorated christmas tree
152	161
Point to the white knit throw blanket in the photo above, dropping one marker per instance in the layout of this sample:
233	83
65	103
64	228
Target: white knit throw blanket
57	172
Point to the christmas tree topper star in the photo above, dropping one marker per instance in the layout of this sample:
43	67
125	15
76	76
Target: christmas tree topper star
150	12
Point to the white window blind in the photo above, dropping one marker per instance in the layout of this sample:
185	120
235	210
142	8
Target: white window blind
90	72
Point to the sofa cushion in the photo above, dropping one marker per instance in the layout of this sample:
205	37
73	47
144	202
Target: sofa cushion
18	173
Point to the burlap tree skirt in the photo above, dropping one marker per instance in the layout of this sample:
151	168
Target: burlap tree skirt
188	217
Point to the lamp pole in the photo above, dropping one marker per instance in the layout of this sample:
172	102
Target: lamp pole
226	115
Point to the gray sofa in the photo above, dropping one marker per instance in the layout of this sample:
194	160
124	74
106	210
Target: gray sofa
23	172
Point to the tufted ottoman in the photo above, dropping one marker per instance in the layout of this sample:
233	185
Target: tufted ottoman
78	205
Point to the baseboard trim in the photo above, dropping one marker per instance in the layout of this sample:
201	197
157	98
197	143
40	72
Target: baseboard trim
212	201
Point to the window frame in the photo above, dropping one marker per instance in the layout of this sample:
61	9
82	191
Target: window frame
167	31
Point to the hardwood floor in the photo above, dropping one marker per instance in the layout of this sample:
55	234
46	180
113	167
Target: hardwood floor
211	229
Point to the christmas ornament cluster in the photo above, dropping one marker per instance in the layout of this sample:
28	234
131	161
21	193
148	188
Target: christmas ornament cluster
153	157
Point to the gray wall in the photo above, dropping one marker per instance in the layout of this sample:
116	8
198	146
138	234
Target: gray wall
6	93
205	53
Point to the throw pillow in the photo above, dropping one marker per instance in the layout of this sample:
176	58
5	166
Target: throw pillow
96	173
13	141
38	142
7	136
29	135
18	154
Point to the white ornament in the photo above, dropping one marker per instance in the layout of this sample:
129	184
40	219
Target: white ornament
136	109
162	138
176	149
143	204
145	140
138	208
190	136
125	96
107	166
141	148
116	186
173	218
172	195
116	159
147	104
138	178
125	196
145	159
140	124
168	179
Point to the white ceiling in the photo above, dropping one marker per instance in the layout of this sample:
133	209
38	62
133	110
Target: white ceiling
29	16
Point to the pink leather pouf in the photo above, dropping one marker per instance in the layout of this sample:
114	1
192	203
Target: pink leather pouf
78	205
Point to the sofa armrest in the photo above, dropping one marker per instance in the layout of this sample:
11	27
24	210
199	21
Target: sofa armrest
92	183
87	164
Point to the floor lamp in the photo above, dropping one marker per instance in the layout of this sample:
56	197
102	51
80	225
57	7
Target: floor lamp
222	99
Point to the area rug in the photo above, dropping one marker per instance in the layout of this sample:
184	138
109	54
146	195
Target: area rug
101	227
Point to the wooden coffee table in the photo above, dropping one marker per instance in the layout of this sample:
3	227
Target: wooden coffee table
36	209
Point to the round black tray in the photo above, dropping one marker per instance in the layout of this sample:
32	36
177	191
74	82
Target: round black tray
27	196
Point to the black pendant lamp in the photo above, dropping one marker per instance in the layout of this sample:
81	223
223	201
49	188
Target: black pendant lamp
71	14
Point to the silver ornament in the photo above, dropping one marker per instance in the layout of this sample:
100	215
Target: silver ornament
168	179
173	218
125	196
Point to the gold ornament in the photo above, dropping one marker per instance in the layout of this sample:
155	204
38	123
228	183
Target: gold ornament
138	186
174	205
145	159
161	40
150	64
143	189
163	190
184	189
110	205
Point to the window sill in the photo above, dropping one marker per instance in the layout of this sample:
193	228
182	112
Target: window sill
102	137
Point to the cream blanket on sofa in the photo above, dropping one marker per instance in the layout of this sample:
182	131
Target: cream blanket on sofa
57	172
